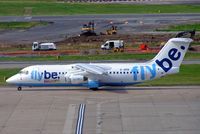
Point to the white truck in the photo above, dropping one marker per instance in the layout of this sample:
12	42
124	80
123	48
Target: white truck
117	45
43	46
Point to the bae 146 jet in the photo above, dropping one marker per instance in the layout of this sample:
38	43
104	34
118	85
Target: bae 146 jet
95	75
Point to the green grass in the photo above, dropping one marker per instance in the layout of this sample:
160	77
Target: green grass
5	73
114	56
20	25
189	75
53	8
182	27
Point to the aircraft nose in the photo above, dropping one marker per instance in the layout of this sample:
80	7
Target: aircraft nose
11	80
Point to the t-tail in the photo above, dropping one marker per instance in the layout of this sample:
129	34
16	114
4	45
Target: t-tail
171	55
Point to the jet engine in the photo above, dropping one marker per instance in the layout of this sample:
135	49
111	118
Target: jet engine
76	79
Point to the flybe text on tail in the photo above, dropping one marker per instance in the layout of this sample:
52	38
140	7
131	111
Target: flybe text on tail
173	55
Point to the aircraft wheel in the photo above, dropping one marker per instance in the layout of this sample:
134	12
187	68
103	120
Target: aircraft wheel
94	89
19	88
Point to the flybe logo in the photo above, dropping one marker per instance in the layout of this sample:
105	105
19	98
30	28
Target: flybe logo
150	69
35	75
141	72
173	55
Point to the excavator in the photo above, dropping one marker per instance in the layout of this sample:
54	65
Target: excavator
88	29
112	30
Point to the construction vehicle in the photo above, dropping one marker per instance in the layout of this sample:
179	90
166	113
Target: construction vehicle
112	30
185	33
88	29
43	46
112	27
116	45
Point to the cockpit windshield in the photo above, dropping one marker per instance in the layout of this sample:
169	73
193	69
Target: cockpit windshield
23	72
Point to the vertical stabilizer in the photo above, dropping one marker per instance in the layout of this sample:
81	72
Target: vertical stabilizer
171	55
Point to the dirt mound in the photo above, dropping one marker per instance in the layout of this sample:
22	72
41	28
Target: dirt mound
126	38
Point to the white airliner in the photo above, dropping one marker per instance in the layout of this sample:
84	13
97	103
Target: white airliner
95	75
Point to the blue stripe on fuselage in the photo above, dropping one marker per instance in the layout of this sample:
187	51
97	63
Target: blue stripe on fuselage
72	85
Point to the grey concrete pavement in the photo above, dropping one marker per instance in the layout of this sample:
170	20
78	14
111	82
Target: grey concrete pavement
66	26
130	110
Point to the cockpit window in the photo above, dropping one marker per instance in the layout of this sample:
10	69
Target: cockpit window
23	72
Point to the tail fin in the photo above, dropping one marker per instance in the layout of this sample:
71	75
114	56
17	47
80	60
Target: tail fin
171	55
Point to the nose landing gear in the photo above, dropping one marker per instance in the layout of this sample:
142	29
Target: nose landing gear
19	88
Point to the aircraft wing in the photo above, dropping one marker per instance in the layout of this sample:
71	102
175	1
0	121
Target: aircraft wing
92	69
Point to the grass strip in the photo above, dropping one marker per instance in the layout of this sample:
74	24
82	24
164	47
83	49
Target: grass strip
54	8
6	73
113	56
189	75
182	27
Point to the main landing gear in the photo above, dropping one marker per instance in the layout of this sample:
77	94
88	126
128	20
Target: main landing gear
94	89
19	88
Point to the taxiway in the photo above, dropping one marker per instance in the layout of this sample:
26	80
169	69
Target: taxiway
66	26
138	110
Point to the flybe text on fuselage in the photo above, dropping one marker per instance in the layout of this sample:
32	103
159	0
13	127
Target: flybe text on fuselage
151	69
35	75
166	64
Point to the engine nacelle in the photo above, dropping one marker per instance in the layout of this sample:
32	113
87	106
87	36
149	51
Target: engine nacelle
93	84
76	79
